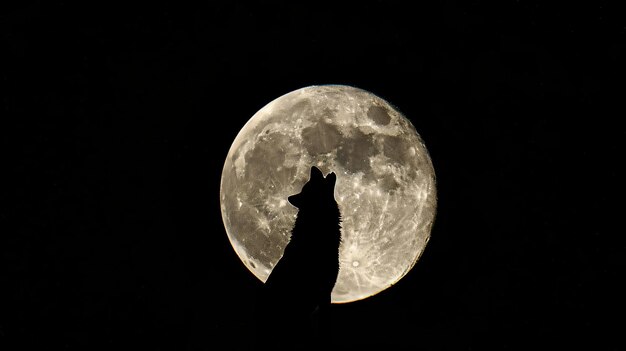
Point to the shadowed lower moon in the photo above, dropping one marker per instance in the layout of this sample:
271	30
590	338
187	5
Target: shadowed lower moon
385	186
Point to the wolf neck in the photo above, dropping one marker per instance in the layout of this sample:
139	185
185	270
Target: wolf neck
330	230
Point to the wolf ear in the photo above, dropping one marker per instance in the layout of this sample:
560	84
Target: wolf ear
316	173
331	179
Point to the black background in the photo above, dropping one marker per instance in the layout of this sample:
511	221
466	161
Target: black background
116	121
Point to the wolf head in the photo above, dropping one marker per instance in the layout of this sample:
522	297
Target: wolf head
318	191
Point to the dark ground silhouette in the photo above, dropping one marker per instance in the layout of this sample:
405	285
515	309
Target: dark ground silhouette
293	308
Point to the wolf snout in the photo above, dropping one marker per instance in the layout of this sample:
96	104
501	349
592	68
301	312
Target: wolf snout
293	199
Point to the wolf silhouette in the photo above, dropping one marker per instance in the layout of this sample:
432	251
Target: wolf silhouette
295	300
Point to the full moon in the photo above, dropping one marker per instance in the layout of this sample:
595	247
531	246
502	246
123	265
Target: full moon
385	188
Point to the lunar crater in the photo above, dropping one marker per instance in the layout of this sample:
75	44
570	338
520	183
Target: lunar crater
379	115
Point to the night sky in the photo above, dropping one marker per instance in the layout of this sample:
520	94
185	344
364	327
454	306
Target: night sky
115	122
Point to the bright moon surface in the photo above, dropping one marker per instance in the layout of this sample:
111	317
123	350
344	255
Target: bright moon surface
385	187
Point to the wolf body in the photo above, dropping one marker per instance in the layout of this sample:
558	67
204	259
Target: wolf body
296	298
